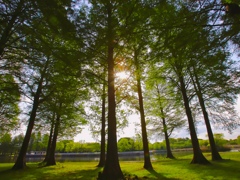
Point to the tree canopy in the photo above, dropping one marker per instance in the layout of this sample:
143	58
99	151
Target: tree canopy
60	62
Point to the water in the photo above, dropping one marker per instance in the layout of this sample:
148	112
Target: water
86	157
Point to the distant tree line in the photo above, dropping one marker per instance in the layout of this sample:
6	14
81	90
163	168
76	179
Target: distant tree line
38	143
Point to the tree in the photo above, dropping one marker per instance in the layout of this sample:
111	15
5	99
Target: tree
50	160
147	161
210	69
67	110
21	160
125	144
5	144
48	150
198	157
164	111
175	63
12	18
138	143
108	28
197	87
112	168
103	129
17	142
238	139
44	52
219	138
10	97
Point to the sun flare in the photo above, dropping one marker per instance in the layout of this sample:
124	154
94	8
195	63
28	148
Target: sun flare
122	75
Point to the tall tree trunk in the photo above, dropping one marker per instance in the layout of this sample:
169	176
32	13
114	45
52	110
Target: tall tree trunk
112	170
147	160
21	160
7	31
165	129
215	154
51	158
198	157
103	130
49	140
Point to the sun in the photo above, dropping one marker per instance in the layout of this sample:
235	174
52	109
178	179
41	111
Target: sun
122	75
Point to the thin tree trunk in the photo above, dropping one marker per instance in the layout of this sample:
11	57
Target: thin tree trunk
215	154
103	130
51	158
49	140
147	160
112	170
198	157
169	151
168	147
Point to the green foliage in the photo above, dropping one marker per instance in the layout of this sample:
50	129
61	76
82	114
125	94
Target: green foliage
69	146
38	142
233	141
55	14
203	143
158	146
219	139
9	144
125	144
9	99
180	143
5	143
17	142
238	139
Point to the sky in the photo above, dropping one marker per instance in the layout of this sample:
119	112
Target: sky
130	130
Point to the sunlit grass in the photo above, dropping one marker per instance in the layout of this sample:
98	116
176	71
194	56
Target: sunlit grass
180	168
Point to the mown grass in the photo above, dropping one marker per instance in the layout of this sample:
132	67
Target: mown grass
180	168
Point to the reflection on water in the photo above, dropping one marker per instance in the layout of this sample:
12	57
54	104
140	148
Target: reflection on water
78	157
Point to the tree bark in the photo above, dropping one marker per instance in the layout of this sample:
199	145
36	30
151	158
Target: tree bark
168	147
112	170
49	140
169	151
198	157
215	154
103	130
147	160
51	158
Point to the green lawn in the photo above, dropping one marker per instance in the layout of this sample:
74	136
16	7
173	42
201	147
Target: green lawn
179	168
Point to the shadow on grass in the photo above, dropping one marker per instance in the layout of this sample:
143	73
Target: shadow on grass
6	171
50	173
218	169
79	174
159	175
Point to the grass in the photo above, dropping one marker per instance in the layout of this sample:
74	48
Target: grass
164	168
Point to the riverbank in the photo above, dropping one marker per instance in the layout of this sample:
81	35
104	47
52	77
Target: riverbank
123	156
164	168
